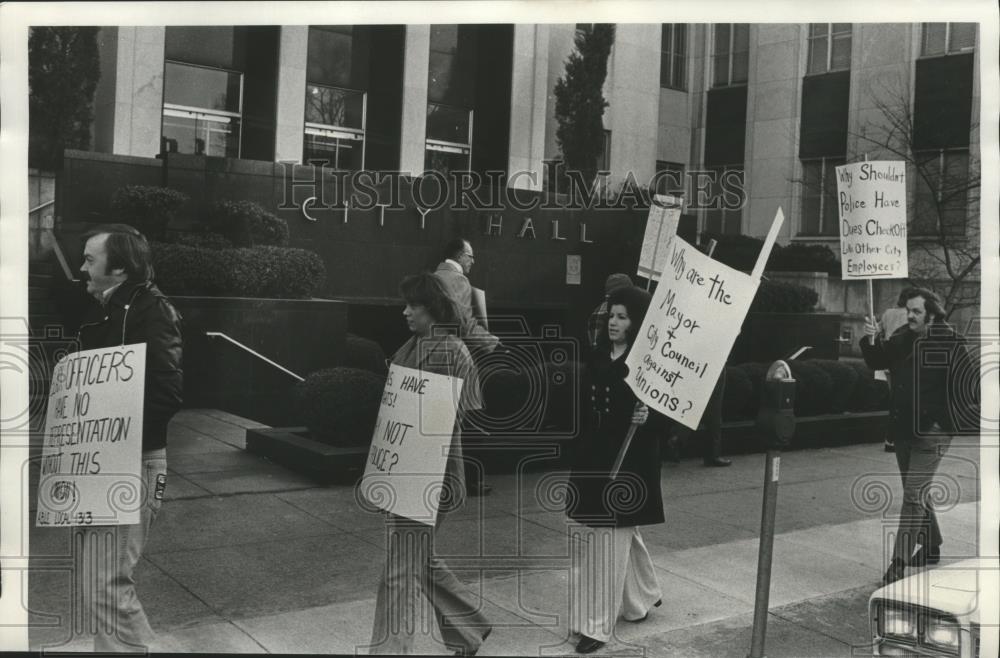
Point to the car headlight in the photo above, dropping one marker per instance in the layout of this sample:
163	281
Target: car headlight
898	623
942	633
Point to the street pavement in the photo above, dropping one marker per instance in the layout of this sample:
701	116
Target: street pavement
249	557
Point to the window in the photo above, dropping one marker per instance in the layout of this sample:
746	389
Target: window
820	214
942	192
829	47
604	159
673	56
947	38
669	178
335	128
201	110
449	138
731	58
725	210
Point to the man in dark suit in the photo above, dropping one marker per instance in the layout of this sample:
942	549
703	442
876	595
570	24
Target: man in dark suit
453	273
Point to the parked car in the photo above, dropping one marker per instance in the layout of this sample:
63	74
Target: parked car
934	612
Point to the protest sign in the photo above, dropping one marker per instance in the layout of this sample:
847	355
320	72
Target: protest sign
411	442
661	226
871	198
693	320
92	450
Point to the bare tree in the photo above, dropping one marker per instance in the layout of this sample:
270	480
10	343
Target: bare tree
944	225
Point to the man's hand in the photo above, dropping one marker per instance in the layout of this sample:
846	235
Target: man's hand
873	327
640	414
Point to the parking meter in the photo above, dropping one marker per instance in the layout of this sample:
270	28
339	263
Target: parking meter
776	424
776	416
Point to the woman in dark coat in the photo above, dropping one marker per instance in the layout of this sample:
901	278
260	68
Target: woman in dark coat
612	570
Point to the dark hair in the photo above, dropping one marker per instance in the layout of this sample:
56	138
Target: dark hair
636	303
127	250
932	302
454	248
426	290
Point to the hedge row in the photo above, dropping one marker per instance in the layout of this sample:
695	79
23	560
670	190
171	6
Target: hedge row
740	252
780	297
339	405
823	386
276	272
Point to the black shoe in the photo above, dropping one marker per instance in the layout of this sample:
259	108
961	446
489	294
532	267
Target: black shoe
895	572
890	447
588	645
717	461
673	450
645	616
473	652
481	490
925	555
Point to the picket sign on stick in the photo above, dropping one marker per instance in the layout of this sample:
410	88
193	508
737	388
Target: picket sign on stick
661	225
871	199
404	473
90	472
690	327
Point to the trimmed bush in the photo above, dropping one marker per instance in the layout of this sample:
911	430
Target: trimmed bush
814	388
869	394
755	375
844	378
206	240
274	272
146	207
248	224
737	251
364	354
778	297
340	405
797	257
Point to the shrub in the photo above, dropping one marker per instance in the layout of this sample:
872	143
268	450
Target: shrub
206	240
737	251
844	378
869	394
248	224
148	208
363	354
755	375
812	393
778	297
248	272
340	405
798	257
738	393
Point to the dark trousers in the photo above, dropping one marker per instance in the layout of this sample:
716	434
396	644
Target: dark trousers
918	459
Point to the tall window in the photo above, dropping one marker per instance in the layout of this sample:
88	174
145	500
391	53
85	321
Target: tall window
201	110
335	127
335	108
673	56
829	47
449	138
725	212
731	58
947	38
820	215
942	192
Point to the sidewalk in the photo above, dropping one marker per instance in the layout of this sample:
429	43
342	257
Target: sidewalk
247	556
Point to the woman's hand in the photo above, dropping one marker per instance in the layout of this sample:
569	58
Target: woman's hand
640	414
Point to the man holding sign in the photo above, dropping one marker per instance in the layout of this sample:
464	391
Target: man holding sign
130	311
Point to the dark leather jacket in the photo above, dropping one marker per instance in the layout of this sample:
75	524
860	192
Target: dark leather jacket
140	313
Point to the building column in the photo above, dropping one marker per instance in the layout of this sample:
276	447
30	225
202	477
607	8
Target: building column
128	101
528	106
413	133
293	56
633	91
